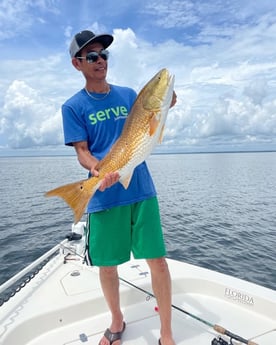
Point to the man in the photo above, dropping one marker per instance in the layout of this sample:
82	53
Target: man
120	221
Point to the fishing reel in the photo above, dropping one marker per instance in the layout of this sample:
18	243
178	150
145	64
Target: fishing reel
220	341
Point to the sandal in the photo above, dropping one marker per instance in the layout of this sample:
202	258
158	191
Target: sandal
112	337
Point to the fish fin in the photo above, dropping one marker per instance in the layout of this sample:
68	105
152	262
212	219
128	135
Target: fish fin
161	135
76	195
154	123
126	180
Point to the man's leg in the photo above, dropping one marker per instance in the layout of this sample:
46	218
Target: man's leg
110	286
161	285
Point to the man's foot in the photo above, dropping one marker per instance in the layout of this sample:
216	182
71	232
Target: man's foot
112	337
170	342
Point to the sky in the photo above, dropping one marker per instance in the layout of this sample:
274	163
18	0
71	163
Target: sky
222	53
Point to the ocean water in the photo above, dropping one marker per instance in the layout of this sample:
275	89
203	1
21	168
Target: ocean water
218	210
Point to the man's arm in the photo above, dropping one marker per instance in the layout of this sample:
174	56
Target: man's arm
89	162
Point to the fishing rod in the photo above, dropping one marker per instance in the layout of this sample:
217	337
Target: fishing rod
216	327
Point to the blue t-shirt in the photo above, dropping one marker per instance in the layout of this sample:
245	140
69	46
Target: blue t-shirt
100	123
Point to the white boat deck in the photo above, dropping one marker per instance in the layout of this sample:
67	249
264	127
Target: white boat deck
64	305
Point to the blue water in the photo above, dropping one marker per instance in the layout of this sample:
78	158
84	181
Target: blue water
218	210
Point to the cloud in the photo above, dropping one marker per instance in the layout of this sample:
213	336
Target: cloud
28	119
220	52
17	17
172	14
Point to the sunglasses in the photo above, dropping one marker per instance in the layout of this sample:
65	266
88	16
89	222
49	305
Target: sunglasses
94	56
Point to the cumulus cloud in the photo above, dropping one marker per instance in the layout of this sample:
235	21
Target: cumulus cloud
221	55
28	119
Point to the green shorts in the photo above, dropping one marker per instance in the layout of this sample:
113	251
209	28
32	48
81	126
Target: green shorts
114	233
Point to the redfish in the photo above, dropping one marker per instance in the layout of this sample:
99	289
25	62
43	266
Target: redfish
142	131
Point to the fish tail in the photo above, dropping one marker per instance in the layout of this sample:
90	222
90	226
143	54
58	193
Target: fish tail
76	195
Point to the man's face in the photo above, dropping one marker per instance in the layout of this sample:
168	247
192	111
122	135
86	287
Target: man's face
92	70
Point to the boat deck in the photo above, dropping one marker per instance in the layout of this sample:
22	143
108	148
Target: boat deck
64	305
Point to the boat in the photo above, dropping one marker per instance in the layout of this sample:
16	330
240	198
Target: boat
58	300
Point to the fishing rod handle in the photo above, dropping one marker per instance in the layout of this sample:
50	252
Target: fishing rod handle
222	330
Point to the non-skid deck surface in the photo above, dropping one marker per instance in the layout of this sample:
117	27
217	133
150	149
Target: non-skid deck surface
143	324
65	306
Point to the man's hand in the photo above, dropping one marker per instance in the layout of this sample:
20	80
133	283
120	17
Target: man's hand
174	99
109	180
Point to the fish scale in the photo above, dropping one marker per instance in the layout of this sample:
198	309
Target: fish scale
142	130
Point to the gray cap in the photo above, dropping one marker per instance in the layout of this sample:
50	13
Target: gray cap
85	37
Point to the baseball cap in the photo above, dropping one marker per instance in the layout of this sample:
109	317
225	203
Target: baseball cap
85	37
